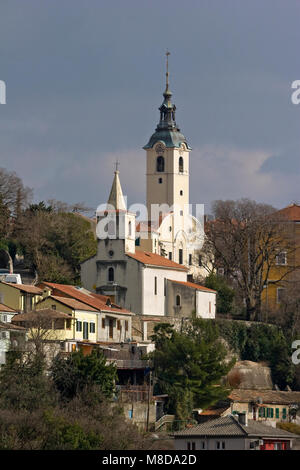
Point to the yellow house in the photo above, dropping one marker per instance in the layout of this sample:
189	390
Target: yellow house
97	318
284	275
84	318
20	297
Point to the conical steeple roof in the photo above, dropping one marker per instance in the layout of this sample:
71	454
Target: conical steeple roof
116	198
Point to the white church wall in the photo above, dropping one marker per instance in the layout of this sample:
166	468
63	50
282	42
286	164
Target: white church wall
205	304
154	304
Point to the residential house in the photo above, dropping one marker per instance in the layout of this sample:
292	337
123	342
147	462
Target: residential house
284	276
20	297
11	337
6	313
233	433
97	318
266	406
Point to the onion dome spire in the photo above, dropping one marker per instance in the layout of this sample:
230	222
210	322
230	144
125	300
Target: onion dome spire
167	130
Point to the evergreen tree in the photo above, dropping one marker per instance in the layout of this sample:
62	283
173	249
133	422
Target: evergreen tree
189	365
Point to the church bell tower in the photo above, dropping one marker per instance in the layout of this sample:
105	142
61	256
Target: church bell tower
167	159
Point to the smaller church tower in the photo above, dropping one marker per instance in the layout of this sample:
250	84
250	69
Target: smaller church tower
116	225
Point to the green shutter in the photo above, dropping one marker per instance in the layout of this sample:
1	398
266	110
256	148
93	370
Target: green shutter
277	412
284	413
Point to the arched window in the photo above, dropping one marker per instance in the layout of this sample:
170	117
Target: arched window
178	301
111	274
160	164
129	229
180	165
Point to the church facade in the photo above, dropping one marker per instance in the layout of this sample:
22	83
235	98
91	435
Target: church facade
147	266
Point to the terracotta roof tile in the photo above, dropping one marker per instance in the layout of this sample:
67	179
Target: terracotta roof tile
73	303
39	314
10	326
291	212
194	286
85	297
146	257
5	308
267	396
25	288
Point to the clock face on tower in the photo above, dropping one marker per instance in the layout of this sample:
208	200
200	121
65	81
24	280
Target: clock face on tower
160	148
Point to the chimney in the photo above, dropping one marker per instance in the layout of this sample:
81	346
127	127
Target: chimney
243	418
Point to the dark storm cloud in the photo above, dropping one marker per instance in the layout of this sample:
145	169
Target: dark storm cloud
84	81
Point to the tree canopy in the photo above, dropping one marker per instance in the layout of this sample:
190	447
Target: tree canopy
189	365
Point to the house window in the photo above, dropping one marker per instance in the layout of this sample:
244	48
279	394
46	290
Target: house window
181	192
181	212
200	260
92	328
129	229
180	164
85	330
165	287
180	256
103	322
160	164
126	325
155	285
78	325
280	293
119	325
281	259
159	180
4	318
220	445
111	274
68	324
190	259
191	446
53	307
137	241
170	255
178	301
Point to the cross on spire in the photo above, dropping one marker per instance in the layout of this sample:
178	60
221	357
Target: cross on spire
117	166
167	67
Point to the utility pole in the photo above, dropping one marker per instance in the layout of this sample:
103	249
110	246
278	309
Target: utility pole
148	406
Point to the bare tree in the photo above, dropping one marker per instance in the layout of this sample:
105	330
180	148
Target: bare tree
246	237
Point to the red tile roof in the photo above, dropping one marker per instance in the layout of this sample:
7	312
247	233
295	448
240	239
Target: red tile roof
10	326
36	315
194	286
291	212
73	303
5	308
146	257
25	288
86	297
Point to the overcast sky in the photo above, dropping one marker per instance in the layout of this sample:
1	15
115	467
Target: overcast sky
85	78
